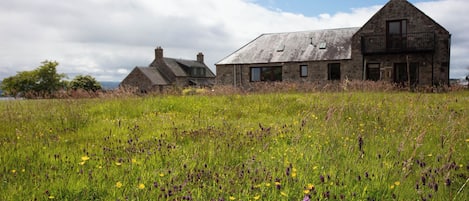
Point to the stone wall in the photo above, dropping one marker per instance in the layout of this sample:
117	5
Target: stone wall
317	72
137	79
433	66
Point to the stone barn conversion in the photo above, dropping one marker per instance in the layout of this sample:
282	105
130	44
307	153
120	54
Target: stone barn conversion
398	44
166	72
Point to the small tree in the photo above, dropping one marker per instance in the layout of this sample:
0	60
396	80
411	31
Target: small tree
85	82
43	80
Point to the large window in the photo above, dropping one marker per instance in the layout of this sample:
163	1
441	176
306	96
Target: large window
373	72
402	73
396	34
259	74
333	71
303	70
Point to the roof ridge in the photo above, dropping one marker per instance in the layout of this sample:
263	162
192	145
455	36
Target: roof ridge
316	30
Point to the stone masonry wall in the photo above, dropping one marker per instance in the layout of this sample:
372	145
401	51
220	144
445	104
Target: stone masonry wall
417	22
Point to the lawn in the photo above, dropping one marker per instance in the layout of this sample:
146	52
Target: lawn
277	146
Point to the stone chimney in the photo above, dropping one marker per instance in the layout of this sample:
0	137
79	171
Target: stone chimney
159	54
200	57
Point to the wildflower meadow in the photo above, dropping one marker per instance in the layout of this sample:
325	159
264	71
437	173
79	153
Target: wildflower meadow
272	146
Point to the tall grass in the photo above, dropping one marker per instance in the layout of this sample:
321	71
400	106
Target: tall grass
274	146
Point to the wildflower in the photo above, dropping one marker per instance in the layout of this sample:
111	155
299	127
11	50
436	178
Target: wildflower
51	197
397	183
119	184
134	160
118	163
467	140
13	171
267	184
283	194
161	174
85	158
310	186
141	186
82	163
391	187
257	197
306	191
232	198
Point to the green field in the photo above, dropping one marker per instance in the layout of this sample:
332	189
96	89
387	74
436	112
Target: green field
283	146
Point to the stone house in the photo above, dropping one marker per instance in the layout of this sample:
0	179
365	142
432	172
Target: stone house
166	72
399	44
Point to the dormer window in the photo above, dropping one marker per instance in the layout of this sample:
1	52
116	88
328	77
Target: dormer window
198	72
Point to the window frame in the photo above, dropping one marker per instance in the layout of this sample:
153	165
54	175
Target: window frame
303	70
396	40
266	74
333	71
374	66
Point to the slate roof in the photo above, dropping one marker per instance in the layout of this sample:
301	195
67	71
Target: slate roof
177	65
296	47
154	75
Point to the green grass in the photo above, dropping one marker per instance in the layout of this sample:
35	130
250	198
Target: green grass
330	146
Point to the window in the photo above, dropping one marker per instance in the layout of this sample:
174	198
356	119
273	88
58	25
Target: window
322	45
303	70
396	34
333	71
373	72
259	74
401	75
198	72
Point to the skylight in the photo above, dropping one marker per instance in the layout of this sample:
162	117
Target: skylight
322	45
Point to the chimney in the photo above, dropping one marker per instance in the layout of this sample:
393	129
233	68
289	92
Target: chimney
159	53
200	57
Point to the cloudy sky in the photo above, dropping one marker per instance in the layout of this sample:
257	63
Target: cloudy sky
108	38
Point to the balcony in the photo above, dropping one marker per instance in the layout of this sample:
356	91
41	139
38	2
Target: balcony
406	43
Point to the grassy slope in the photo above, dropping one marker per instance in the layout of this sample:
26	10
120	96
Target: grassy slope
349	146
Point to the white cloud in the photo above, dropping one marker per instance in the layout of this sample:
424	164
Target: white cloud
106	39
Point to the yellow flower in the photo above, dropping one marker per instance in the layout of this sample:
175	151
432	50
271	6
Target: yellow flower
118	164
310	186
306	191
51	197
467	140
257	197
82	163
283	194
161	174
119	184
85	158
267	184
13	171
232	198
141	186
392	187
277	183
293	174
397	183
134	160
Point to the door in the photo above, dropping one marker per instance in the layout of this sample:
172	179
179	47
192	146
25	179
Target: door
403	75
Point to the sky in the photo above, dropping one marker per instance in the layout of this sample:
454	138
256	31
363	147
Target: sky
108	38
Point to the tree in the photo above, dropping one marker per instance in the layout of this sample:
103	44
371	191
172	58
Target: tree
85	82
43	80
